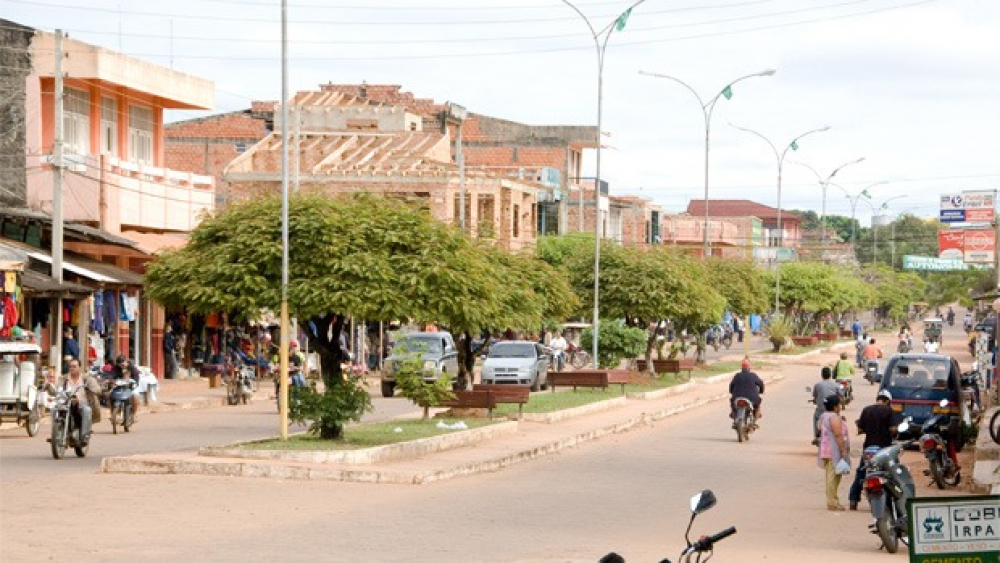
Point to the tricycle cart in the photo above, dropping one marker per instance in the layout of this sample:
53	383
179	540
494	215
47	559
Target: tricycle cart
19	394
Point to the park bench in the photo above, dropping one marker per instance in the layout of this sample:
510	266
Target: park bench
511	394
473	400
588	378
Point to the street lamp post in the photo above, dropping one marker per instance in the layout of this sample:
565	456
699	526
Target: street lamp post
854	206
779	157
824	184
707	108
600	38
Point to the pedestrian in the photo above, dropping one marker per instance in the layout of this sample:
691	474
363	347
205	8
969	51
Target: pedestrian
878	424
834	448
71	347
170	352
825	388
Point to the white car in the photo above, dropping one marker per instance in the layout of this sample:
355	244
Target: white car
516	362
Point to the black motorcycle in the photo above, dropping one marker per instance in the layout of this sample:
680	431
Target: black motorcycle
699	503
66	428
871	372
888	484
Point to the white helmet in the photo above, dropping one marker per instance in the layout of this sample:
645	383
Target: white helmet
884	394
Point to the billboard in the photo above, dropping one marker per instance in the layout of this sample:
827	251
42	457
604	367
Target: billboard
968	207
973	246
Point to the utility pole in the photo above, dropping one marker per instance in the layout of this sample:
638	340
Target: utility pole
57	203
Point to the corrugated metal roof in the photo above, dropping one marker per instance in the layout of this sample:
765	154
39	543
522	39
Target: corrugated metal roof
36	283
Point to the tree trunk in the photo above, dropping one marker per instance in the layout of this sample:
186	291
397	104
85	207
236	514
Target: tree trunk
324	338
650	344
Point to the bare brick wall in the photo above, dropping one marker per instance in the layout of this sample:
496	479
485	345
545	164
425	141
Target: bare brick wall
16	64
207	145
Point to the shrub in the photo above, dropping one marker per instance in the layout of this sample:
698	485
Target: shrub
328	411
616	343
779	330
409	376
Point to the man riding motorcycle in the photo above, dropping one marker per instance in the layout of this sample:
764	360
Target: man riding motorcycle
745	384
123	369
558	345
85	389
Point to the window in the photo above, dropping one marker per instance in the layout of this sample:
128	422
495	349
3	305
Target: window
109	126
140	134
76	121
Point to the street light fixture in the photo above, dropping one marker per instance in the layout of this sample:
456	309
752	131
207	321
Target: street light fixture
707	108
824	183
601	38
780	159
854	207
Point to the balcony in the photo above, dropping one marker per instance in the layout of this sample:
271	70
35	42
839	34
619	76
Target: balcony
120	195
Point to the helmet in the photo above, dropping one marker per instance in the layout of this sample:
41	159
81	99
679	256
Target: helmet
293	344
884	394
745	364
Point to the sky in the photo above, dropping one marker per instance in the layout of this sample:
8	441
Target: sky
910	86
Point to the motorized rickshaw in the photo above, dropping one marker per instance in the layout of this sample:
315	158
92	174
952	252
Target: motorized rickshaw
19	395
933	327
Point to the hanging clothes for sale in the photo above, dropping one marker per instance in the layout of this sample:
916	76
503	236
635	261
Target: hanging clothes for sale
110	311
10	282
8	309
97	312
130	306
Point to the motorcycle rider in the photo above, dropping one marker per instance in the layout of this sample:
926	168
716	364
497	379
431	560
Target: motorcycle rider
871	352
86	389
859	346
123	369
905	336
930	346
296	361
745	384
558	345
878	424
951	317
826	387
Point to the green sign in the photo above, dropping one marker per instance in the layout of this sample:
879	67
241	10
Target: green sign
954	529
911	262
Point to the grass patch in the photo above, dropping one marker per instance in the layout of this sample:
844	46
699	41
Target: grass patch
369	435
551	402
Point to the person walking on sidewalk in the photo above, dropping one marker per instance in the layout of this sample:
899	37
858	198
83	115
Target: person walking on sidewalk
834	447
170	352
820	392
878	424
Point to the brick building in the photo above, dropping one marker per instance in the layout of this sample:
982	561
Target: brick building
762	235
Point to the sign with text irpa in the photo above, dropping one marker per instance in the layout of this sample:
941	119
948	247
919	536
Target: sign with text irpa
954	529
968	207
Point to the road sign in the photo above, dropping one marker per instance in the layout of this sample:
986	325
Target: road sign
911	262
943	528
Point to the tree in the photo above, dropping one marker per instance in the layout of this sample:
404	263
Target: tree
908	234
362	256
617	342
740	283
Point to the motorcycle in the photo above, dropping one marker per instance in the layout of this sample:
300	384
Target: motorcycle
871	372
727	336
744	422
904	346
940	450
120	404
888	485
713	338
240	385
846	391
700	503
65	428
971	383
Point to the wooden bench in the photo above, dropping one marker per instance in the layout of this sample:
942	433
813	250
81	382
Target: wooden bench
510	394
587	378
473	400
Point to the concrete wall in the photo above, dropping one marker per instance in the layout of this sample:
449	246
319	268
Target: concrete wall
16	64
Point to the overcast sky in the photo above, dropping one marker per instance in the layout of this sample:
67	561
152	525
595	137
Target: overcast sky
913	86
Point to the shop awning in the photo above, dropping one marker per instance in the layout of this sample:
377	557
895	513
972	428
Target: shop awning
40	284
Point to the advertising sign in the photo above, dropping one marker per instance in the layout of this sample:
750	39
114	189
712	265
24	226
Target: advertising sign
968	207
911	262
974	246
954	529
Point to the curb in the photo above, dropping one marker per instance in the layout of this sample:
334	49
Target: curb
310	470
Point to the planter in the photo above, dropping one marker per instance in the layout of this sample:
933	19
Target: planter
826	336
847	334
805	340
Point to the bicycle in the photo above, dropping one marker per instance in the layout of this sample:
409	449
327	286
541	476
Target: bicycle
576	357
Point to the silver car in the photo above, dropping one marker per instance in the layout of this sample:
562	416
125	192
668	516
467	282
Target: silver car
517	363
436	349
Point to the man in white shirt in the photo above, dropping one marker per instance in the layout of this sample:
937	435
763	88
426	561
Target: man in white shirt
558	345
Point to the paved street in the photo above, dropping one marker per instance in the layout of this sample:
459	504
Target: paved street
627	493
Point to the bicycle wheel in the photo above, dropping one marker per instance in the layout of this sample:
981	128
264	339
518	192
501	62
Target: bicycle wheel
580	359
995	426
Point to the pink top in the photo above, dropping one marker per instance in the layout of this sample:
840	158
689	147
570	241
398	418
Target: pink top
828	448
